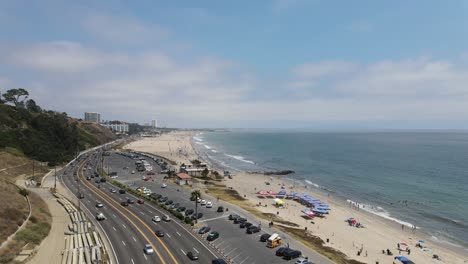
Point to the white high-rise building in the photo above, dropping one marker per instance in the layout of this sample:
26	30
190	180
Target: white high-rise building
154	123
92	117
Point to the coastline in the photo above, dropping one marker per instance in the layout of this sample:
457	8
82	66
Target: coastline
379	233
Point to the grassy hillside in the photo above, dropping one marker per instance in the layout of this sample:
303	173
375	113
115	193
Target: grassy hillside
46	135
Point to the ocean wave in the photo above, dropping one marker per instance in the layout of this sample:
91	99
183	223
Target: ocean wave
197	139
214	151
240	158
207	146
313	184
198	143
379	211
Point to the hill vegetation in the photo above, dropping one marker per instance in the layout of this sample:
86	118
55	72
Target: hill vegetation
43	135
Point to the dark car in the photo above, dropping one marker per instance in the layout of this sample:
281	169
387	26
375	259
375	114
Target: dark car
159	233
88	178
220	209
239	220
218	261
233	216
155	196
174	206
264	237
192	255
291	254
81	195
130	201
245	225
141	201
204	230
169	202
253	229
103	180
189	212
212	236
280	251
97	181
124	203
162	199
181	209
197	216
121	191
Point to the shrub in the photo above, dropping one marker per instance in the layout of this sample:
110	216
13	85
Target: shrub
33	219
24	192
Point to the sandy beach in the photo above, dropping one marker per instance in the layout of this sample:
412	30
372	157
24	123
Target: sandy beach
379	233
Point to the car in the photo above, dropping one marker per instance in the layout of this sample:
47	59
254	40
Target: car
88	178
133	172
166	218
218	261
239	220
198	200
245	225
253	229
81	195
291	254
162	199
181	209
159	233
209	204
148	249
141	201
103	180
97	181
264	237
233	216
192	255
130	201
202	202
124	203
212	236
99	205
280	251
174	206
204	230
146	178
220	209
169	202
156	218
125	168
155	196
122	191
100	216
189	212
303	261
150	173
197	216
163	185
113	190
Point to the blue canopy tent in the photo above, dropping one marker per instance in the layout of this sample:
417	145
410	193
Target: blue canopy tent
282	192
404	260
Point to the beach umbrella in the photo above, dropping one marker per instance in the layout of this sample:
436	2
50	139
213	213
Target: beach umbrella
280	202
404	260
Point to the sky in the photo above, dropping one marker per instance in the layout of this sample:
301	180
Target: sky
243	64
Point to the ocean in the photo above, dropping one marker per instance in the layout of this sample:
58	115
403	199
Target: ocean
413	178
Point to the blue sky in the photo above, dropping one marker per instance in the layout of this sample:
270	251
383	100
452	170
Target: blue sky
300	63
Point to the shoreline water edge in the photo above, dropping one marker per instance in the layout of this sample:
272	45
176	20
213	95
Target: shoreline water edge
381	232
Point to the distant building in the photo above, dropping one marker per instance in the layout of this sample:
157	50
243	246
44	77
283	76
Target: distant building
116	126
183	179
154	123
92	117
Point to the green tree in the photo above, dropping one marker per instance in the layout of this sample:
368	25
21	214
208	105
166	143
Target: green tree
195	195
196	163
205	172
16	96
32	106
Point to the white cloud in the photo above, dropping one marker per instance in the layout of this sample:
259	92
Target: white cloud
123	29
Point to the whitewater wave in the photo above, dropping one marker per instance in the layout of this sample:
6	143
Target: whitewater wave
198	143
240	158
379	211
197	139
214	151
207	146
313	184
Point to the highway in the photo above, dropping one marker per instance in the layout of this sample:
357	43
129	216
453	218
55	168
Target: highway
130	228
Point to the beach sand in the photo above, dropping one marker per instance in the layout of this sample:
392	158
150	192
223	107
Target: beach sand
379	233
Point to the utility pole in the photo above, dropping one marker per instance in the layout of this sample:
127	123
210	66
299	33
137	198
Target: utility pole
55	179
33	168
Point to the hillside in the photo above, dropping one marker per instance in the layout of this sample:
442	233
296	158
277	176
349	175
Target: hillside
47	135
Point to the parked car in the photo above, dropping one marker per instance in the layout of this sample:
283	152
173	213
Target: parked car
103	180
245	225
112	190
212	236
204	230
169	202
253	229
162	199
156	218
163	185
81	195
303	261
240	220
88	178
280	251
189	212
220	209
264	237
97	181
192	255
121	191
209	204
159	233
148	249
197	216
233	216
141	201
291	254
218	261
181	209
202	202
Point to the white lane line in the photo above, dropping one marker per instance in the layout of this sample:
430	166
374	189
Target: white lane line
211	219
178	233
227	254
236	256
114	215
150	212
124	226
194	249
142	213
123	242
144	255
114	229
134	239
183	252
168	235
244	260
133	261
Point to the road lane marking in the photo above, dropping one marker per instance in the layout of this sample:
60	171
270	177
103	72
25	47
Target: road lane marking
150	212
114	215
168	235
196	250
124	226
211	219
123	242
244	260
144	255
227	254
236	256
183	252
142	213
114	229
134	239
133	261
178	234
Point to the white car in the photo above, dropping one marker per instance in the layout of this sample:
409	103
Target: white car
198	200
163	185
156	218
166	218
148	249
100	216
202	202
302	261
209	204
133	172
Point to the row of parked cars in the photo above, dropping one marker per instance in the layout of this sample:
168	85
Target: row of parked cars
250	228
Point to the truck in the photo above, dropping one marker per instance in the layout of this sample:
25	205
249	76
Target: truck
274	241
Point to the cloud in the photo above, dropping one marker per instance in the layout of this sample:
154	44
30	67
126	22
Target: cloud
122	29
360	26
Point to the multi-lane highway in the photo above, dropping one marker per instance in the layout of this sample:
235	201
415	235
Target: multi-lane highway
130	228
